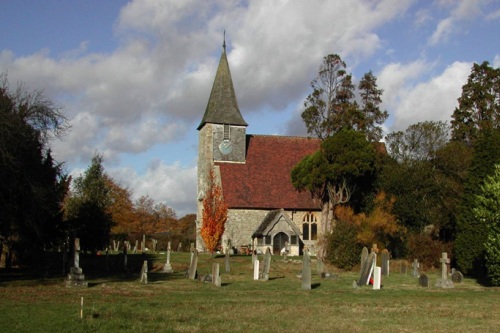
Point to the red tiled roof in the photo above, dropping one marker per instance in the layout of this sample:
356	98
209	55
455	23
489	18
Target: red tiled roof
264	180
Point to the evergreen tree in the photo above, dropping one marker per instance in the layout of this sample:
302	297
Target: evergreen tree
87	209
371	115
487	209
471	236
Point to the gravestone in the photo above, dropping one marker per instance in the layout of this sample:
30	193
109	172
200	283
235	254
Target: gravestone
306	271
144	272
194	265
192	247
256	269
415	266
444	282
385	262
320	267
75	277
179	247
143	244
377	277
155	244
254	258
216	280
167	268
403	267
367	269
423	280
364	255
266	266
125	259
116	245
456	276
134	250
226	262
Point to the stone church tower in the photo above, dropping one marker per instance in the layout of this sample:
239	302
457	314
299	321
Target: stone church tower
222	133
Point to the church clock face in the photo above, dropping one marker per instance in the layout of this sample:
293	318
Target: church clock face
226	147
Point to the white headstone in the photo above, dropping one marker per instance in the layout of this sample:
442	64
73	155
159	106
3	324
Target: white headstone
377	277
256	270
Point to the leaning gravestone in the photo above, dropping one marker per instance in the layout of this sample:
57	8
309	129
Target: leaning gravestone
267	265
385	262
444	282
423	280
194	265
367	269
144	272
306	271
167	268
76	278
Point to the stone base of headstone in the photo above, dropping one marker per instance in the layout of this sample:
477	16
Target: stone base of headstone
355	284
76	278
167	268
444	283
326	275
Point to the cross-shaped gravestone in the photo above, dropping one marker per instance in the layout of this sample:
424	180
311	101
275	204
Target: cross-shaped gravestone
77	253
415	266
444	265
374	248
167	268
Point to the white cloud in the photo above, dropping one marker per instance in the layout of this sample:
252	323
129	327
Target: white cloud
434	99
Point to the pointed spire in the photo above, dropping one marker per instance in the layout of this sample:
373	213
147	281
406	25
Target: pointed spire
222	105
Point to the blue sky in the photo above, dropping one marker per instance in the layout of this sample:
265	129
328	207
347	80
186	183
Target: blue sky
134	77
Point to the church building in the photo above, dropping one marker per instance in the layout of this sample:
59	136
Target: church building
264	209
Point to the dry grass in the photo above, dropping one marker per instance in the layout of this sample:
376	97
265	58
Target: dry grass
172	303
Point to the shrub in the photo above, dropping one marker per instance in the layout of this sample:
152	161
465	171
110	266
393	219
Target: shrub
342	245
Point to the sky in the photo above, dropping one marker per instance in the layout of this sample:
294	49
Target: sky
133	77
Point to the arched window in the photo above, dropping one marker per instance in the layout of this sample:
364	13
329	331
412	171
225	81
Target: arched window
309	227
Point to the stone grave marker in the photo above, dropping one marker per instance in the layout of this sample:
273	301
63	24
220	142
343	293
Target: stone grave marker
134	249
125	259
266	266
167	268
155	244
144	272
367	269
456	276
364	255
194	265
256	269
192	247
377	277
226	262
444	282
254	257
306	271
423	280
415	266
75	277
320	267
143	244
116	245
179	247
374	248
385	262
216	280
403	268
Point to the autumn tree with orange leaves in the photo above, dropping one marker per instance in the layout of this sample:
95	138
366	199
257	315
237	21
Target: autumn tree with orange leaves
214	215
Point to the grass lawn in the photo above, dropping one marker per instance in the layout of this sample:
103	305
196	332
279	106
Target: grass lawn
173	303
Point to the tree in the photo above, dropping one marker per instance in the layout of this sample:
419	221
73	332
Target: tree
33	185
479	105
214	214
371	115
147	217
327	108
332	173
487	209
469	244
121	208
87	209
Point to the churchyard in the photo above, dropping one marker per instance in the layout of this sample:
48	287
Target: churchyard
271	299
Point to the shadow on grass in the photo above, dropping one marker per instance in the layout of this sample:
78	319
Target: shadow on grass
315	285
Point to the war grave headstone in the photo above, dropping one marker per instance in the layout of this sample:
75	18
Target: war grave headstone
385	262
456	276
144	272
194	265
75	277
216	279
423	280
416	266
444	282
306	271
167	268
256	269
